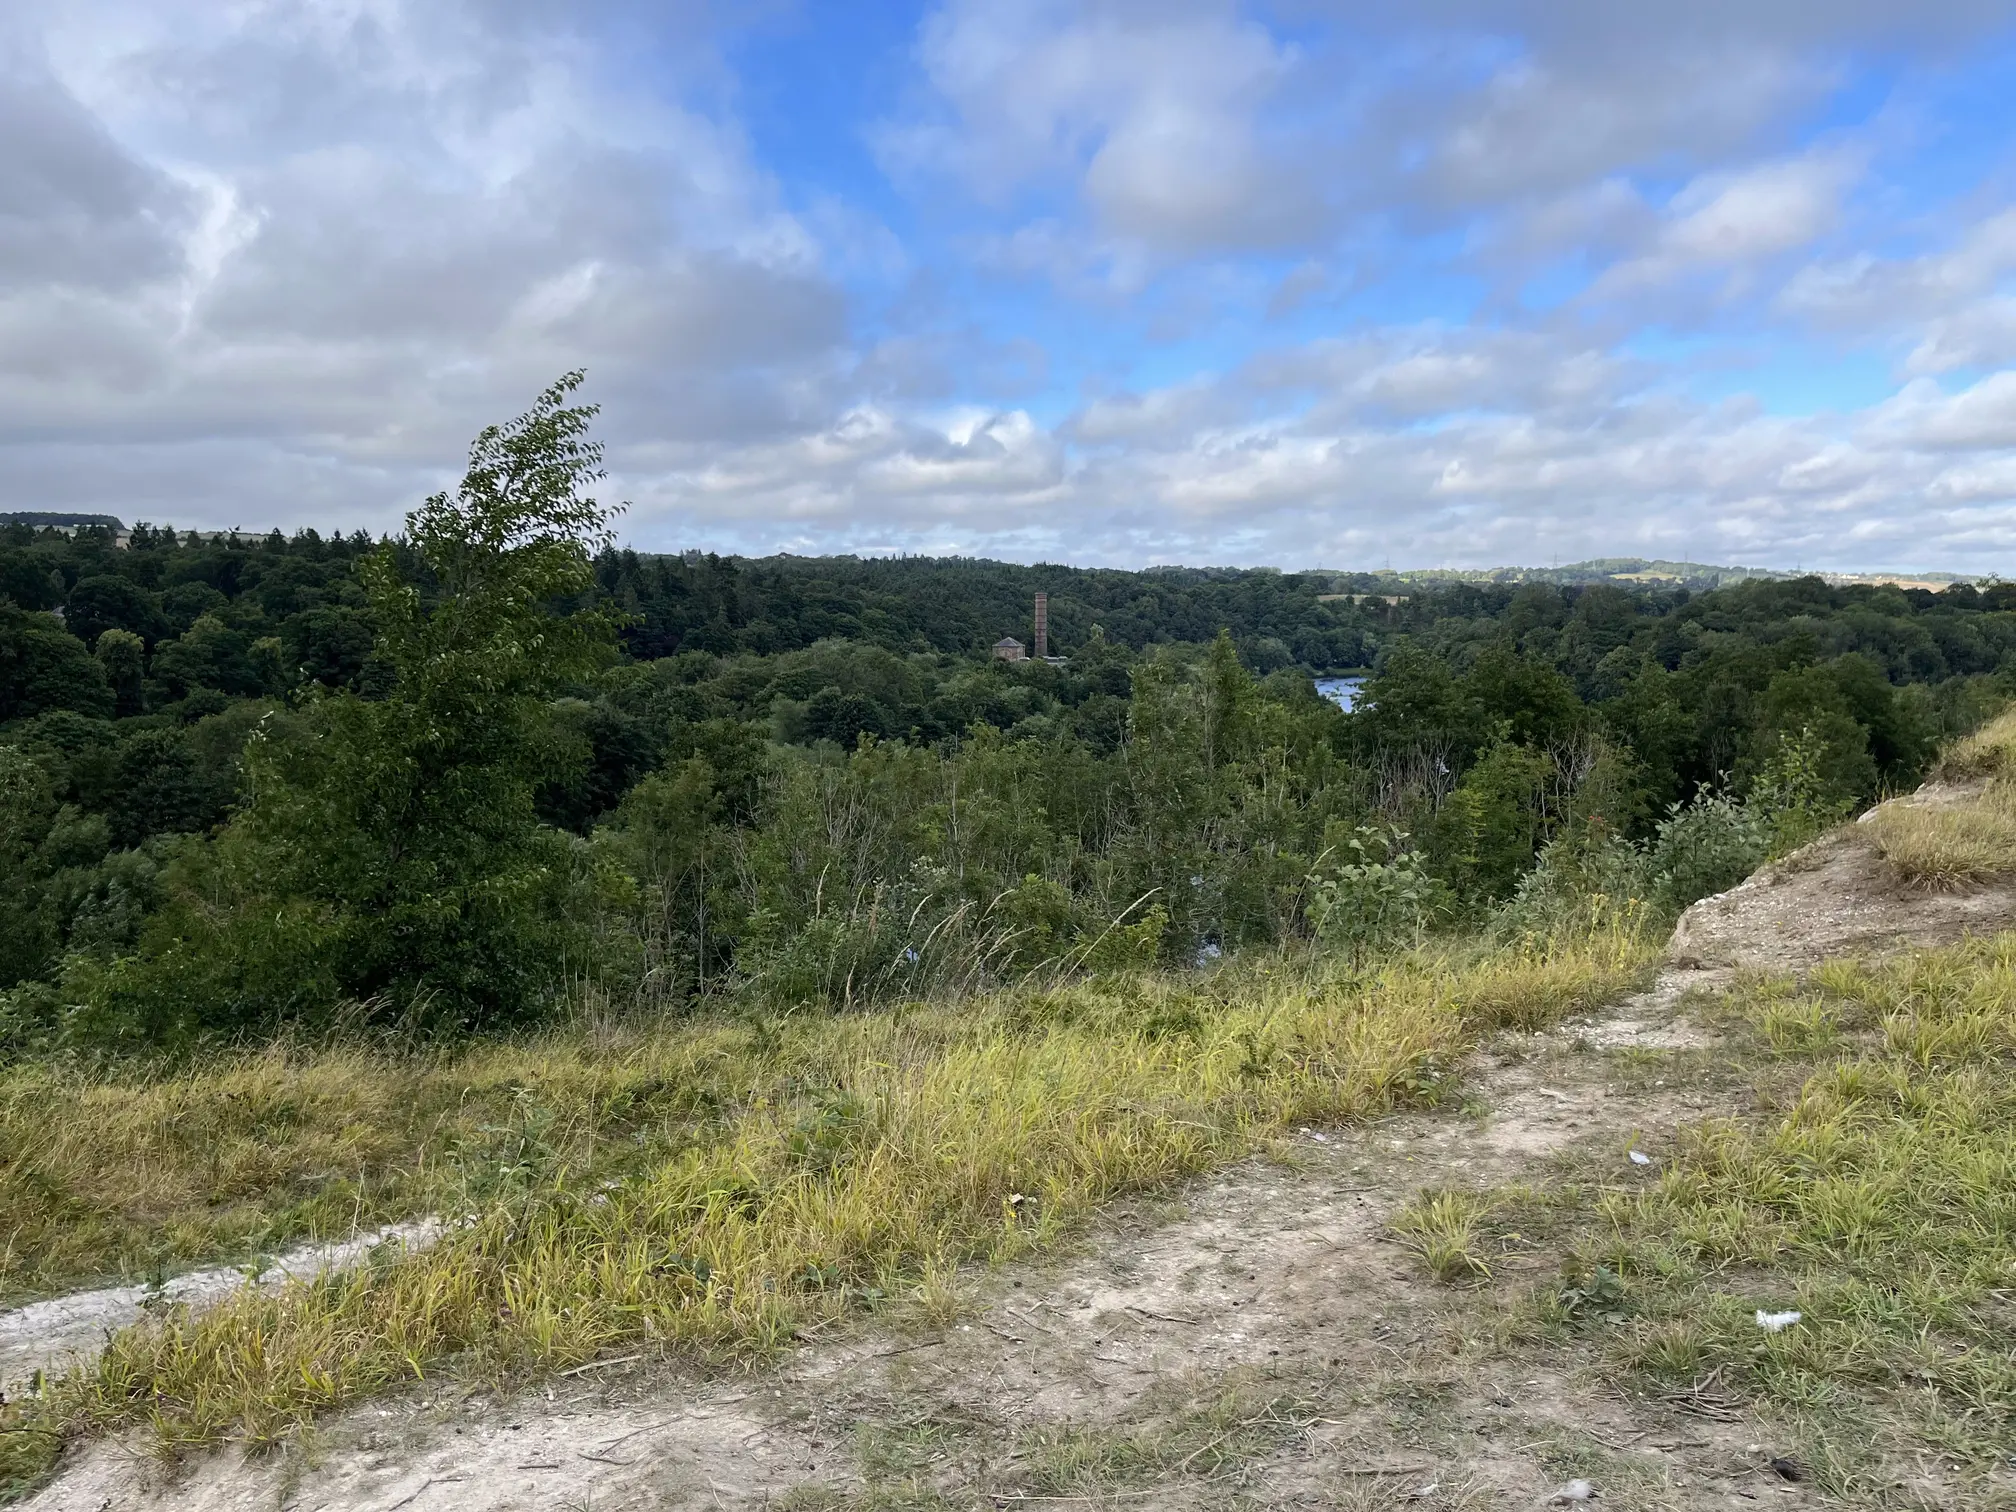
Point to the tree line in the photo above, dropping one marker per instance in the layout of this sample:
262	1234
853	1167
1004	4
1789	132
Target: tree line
462	777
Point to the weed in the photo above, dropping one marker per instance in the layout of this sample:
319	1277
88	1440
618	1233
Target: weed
1599	1295
1443	1229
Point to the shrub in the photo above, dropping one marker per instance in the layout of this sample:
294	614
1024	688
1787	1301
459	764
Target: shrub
1382	896
1705	846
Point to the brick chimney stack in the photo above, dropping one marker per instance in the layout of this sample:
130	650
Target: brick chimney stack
1042	625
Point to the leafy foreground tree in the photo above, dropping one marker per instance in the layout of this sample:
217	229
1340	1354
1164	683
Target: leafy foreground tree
388	856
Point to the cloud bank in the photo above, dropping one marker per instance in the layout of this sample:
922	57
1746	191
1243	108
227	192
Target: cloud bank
1102	282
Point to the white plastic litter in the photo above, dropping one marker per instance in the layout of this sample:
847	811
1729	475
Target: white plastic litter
1775	1322
1639	1157
1574	1491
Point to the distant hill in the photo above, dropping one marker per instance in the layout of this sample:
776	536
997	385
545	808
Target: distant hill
1658	571
39	519
1639	570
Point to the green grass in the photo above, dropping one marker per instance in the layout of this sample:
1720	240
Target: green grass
1873	1191
1443	1227
708	1188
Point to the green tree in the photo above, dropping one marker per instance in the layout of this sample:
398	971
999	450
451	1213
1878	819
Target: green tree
1495	821
391	853
44	667
122	654
1807	708
26	811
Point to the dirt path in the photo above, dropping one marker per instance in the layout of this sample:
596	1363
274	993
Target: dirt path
1267	1308
1256	1338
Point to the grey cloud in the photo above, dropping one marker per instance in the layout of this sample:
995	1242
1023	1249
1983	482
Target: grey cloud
937	364
397	245
1980	417
76	209
1600	27
1190	130
1546	126
1158	419
1156	112
1411	374
1594	458
1981	334
247	483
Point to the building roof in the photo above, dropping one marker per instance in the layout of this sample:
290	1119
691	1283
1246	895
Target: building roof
1006	641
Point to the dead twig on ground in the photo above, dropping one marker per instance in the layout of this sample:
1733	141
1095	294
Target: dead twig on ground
598	1365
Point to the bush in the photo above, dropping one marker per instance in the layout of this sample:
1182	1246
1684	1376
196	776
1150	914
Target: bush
1702	847
1798	794
1380	897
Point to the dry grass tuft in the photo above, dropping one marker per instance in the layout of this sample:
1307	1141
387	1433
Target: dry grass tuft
1989	752
1443	1228
1951	846
1948	847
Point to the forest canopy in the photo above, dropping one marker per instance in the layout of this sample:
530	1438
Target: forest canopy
461	776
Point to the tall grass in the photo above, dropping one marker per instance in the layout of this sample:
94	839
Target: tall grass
801	1169
1989	752
136	1174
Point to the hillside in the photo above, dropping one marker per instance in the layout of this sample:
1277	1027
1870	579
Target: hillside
1413	1308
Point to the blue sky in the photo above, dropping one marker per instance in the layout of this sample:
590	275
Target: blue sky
1301	284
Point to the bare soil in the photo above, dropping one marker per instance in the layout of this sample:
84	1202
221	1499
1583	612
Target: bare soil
1258	1338
1835	897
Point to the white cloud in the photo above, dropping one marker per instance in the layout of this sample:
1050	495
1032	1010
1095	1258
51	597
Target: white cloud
358	230
273	263
1980	417
1155	116
1951	305
1300	461
1728	222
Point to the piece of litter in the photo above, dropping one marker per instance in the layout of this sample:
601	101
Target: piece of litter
1639	1157
1574	1491
1422	1493
1776	1322
1319	1138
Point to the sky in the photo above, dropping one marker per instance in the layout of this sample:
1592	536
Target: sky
1319	283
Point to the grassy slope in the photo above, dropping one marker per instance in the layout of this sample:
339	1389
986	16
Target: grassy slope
1872	1189
712	1186
1961	844
1880	1203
